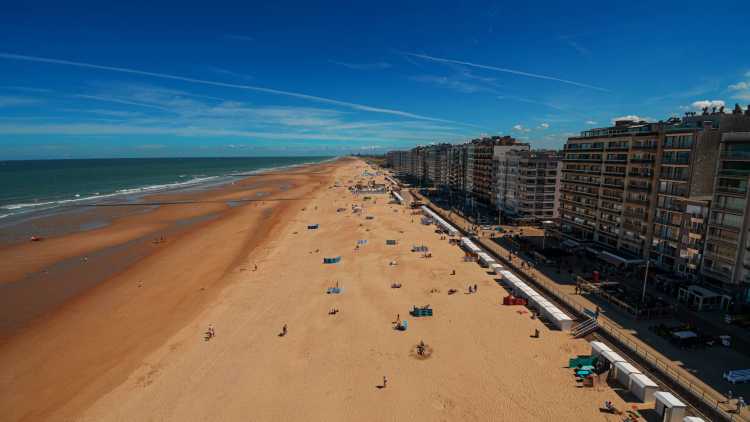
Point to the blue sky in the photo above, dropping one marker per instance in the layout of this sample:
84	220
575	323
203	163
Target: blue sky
282	78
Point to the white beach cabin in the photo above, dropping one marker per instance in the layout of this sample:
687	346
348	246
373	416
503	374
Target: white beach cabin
597	347
611	357
623	370
668	407
643	387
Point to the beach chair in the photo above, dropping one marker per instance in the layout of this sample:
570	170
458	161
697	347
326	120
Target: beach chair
333	290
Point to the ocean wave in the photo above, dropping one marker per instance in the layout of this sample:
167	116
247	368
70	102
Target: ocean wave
93	198
97	196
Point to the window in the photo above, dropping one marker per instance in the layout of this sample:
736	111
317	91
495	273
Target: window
730	203
681	141
724	219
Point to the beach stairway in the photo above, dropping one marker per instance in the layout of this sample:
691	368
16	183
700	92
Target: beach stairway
586	327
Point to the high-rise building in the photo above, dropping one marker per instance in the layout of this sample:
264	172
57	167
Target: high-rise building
726	260
606	193
674	192
436	165
685	183
481	174
530	185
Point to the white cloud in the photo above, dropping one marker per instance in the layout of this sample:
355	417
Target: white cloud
700	105
632	117
17	101
739	86
271	91
505	70
590	122
544	126
520	128
452	83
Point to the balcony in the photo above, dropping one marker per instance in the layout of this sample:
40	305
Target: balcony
638	201
639	188
731	190
676	161
637	215
581	159
645	146
588	171
641	175
612	197
667	222
736	155
682	193
642	160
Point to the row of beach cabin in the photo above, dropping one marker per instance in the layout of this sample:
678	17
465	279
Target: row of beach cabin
548	310
667	406
452	231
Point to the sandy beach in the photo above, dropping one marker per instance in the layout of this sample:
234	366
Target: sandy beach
132	348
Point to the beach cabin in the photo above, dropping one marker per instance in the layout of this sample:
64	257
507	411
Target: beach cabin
642	387
496	268
485	260
668	407
623	370
598	347
610	357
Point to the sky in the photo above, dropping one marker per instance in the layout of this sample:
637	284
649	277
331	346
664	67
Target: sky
171	79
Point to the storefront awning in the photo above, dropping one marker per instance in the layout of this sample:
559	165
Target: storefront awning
618	260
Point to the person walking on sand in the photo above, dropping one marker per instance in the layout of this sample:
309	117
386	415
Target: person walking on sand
385	381
475	288
283	330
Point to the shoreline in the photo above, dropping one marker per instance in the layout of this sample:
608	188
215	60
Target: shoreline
17	227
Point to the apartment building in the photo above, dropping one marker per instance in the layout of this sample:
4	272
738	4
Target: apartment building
457	155
685	184
480	169
504	176
436	165
530	185
607	190
726	261
400	162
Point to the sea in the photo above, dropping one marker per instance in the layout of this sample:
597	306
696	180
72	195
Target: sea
36	187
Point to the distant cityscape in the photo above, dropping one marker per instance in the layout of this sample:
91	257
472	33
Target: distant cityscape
672	193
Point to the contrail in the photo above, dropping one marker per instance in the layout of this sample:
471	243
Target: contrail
355	106
505	70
